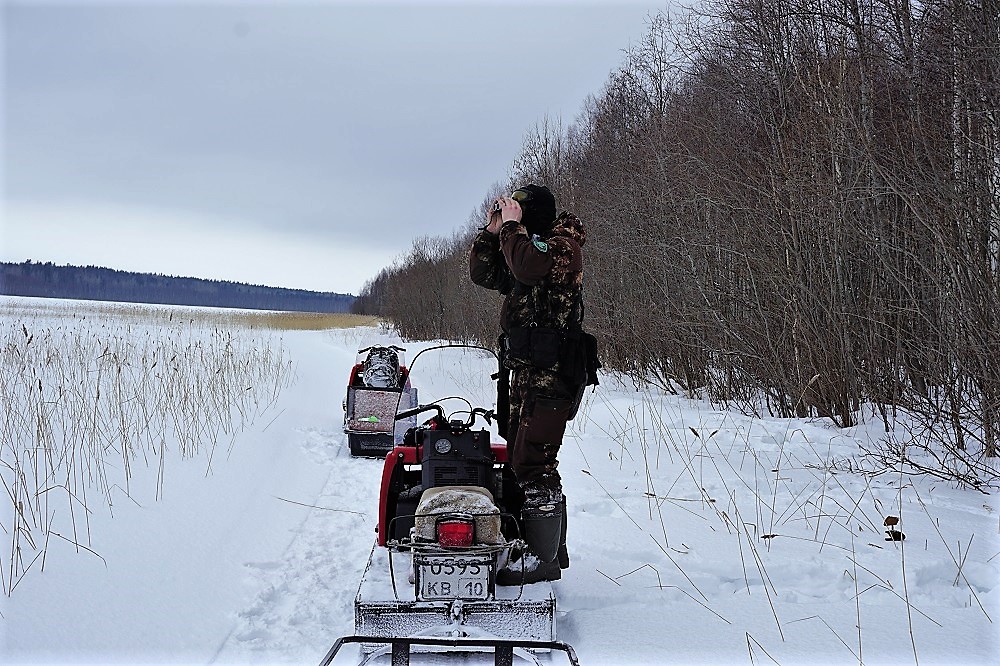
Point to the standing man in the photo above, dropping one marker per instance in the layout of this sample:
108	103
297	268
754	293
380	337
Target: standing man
535	259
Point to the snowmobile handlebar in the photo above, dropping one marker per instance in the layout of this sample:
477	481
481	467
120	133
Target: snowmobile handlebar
487	414
419	409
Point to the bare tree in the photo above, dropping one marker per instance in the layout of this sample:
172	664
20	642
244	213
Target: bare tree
792	206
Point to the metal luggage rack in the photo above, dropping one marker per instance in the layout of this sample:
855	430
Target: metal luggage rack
410	544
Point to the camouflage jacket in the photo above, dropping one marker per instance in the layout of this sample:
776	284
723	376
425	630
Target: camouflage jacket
541	278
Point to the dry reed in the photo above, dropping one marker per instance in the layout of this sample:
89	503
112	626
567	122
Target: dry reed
88	393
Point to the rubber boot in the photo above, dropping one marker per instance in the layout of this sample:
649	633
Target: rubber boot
543	530
563	555
526	570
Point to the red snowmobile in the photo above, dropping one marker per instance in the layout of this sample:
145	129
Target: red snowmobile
378	387
448	520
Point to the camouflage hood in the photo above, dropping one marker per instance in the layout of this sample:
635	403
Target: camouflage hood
569	226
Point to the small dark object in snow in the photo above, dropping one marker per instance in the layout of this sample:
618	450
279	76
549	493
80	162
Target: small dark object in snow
768	536
894	535
890	521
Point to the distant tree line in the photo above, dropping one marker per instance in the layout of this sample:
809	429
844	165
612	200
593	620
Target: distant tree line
105	284
793	206
427	294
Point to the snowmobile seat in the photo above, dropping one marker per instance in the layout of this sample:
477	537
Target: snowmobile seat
474	501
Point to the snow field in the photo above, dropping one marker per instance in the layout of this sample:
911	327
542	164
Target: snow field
672	506
742	541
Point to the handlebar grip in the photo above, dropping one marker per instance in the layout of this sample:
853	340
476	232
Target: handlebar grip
420	408
407	413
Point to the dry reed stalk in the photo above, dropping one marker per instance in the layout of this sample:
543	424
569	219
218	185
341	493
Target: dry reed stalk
88	395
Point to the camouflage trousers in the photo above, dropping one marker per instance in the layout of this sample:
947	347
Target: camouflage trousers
540	406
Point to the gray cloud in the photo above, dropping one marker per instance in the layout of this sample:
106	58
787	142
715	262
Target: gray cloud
334	122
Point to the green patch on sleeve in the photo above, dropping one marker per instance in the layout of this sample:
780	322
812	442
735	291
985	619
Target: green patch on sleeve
541	245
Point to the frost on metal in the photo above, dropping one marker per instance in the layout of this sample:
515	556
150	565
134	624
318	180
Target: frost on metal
473	500
385	610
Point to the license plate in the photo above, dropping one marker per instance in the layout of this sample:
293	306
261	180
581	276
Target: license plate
454	577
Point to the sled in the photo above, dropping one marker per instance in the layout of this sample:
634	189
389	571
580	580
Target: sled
387	614
375	392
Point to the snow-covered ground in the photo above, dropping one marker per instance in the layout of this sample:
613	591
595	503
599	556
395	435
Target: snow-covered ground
696	536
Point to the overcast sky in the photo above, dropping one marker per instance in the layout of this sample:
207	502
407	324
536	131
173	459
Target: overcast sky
291	144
